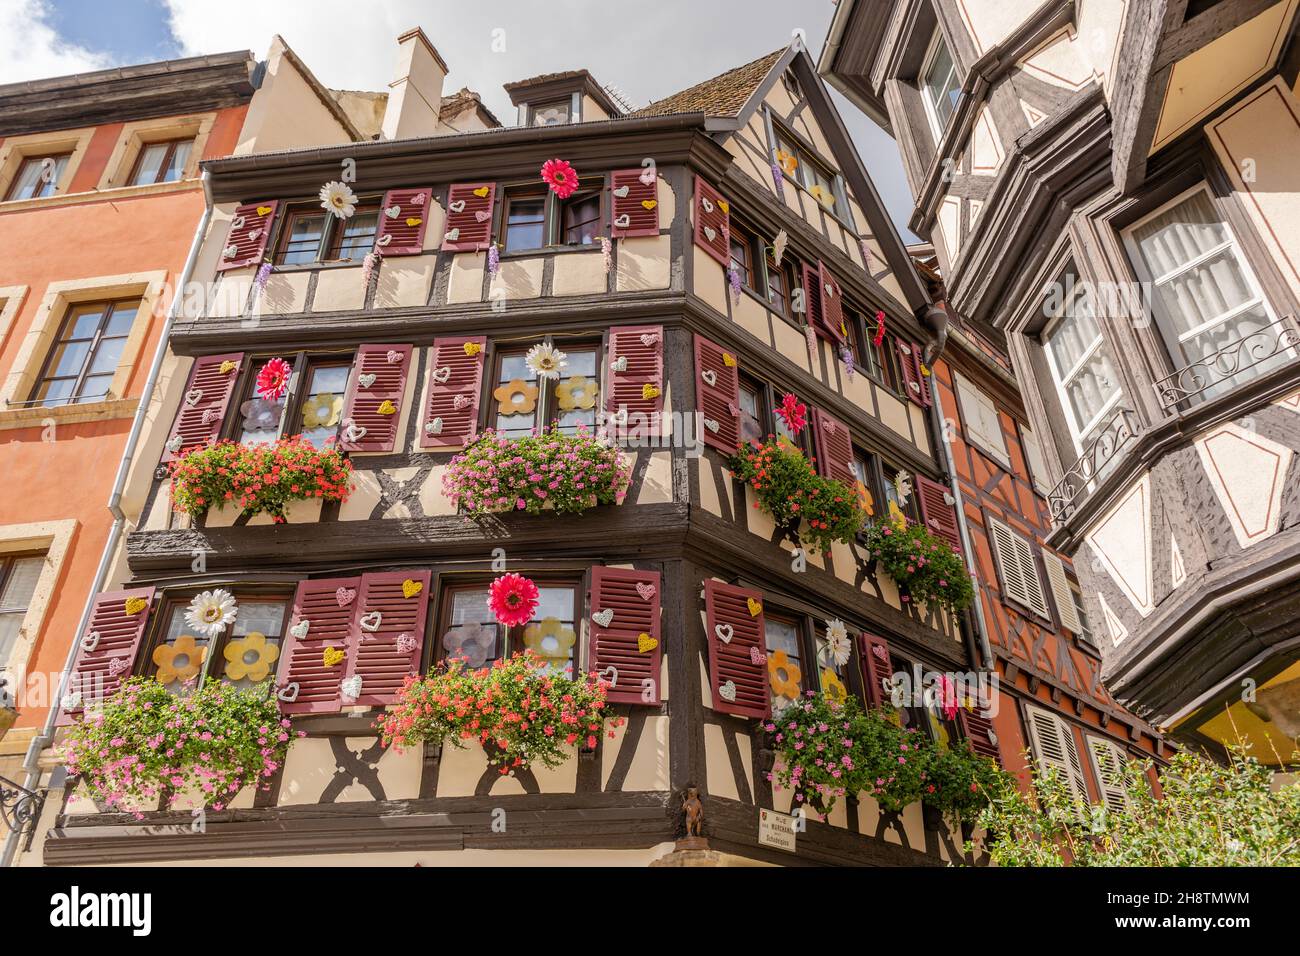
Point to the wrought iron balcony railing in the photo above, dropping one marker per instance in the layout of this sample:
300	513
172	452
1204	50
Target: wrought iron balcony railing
1222	366
1121	428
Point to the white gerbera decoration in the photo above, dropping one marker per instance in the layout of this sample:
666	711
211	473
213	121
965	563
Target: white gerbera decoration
837	646
546	360
339	199
778	247
211	611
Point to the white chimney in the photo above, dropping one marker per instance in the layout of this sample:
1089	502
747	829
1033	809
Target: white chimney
415	95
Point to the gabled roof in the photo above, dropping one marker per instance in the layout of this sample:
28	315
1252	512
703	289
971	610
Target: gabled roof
724	95
536	87
462	100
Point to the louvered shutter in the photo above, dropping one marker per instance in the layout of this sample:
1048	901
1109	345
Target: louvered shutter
303	674
469	217
712	222
629	214
111	635
834	448
633	596
814	308
978	729
1015	556
365	406
1108	765
643	347
1062	594
739	663
1055	749
203	404
403	217
877	669
381	658
250	230
832	306
915	384
718	402
455	384
938	510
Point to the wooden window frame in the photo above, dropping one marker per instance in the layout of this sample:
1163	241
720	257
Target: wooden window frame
171	145
807	155
788	281
562	206
331	234
110	308
547	408
937	40
751	277
576	580
23	163
553	207
303	362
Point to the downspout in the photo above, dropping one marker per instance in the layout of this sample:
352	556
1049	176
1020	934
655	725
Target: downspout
40	742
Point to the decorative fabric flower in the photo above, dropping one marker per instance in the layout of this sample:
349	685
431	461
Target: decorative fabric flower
837	648
546	360
338	199
473	642
551	640
273	379
561	177
948	693
822	195
880	328
778	247
778	180
250	657
210	612
260	415
179	660
793	412
516	396
513	599
578	392
262	277
865	501
903	486
322	410
833	687
787	161
784	675
733	280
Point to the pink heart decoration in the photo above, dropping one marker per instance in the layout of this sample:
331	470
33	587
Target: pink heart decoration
647	591
394	357
461	401
482	215
405	644
116	666
756	656
345	596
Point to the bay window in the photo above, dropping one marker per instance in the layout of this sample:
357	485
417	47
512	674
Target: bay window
1081	363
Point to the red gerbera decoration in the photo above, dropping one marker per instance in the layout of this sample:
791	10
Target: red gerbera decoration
880	328
561	177
273	379
513	599
793	412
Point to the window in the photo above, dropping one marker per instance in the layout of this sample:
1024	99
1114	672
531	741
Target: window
313	235
18	577
580	219
84	358
784	659
311	407
523	402
1017	570
780	280
163	162
864	479
742	256
1206	296
897	487
803	166
752	412
981	421
1055	748
38	176
879	362
940	85
555	113
469	631
243	655
536	218
1034	460
525	222
1085	629
1081	364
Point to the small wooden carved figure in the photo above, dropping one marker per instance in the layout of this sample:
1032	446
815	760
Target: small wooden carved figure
694	811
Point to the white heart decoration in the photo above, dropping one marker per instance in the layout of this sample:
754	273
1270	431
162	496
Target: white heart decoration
704	202
727	691
384	240
392	212
731	407
351	687
452	234
623	221
830	290
649	338
418	199
829	426
603	617
90	641
619	364
648	174
366	379
725	632
193	396
371	621
237	223
756	656
254	234
352	432
300	629
289	693
621	192
461	401
711	425
117	665
482	215
434	427
440	375
174	444
406	644
619	417
394	357
710	377
457	206
209	416
230	251
709	233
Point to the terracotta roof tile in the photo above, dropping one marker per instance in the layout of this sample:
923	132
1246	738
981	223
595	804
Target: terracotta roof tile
723	95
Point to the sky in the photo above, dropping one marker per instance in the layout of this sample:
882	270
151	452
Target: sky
647	48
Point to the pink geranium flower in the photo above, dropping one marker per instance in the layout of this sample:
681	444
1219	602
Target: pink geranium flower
273	379
561	177
513	599
793	412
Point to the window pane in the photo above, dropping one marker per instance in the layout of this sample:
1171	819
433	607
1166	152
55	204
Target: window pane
357	235
552	634
777	289
20	583
783	671
56	391
107	355
150	162
525	224
941	84
303	242
250	654
119	323
84	322
516	396
474	634
180	156
9	624
319	420
551	114
1180	234
1082	364
94	387
577	394
751	419
70	358
27	180
582	221
261	420
178	659
52	184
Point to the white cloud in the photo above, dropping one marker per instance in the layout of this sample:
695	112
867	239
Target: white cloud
30	48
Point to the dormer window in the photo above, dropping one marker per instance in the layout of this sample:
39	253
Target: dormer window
940	85
554	113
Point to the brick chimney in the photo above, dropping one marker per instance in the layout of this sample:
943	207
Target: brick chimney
415	95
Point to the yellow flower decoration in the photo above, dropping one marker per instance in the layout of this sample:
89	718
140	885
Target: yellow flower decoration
516	397
784	675
833	687
252	644
578	392
788	161
896	516
822	195
322	410
179	660
550	639
865	501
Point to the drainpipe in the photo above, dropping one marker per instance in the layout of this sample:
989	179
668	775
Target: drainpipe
39	743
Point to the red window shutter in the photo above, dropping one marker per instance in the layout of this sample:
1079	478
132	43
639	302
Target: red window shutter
628	215
832	307
936	512
365	405
111	635
877	670
814	309
203	404
633	596
978	729
712	215
455	383
250	230
915	384
741	662
305	684
402	220
718	402
643	347
469	217
834	447
386	656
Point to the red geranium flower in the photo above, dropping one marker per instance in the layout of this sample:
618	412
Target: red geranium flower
513	599
273	379
561	177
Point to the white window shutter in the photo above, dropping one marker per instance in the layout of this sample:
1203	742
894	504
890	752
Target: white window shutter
1034	458
1108	764
1020	580
1055	749
1037	599
980	417
1062	593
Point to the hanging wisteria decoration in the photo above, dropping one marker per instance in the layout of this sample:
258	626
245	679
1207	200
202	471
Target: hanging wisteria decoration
368	266
846	356
778	180
607	252
733	280
493	260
